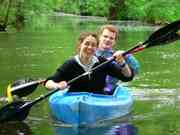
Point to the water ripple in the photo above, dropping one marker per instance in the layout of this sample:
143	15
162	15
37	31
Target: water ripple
162	94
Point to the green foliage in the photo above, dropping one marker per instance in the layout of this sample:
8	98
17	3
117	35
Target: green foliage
99	8
3	10
154	11
38	7
68	6
25	10
135	9
88	7
162	10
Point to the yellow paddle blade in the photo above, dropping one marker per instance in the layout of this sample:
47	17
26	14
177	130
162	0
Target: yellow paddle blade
9	94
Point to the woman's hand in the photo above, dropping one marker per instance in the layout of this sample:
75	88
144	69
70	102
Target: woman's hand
62	85
50	84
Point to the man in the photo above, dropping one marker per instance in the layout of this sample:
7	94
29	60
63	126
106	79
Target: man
108	35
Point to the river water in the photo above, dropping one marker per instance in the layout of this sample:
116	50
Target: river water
36	53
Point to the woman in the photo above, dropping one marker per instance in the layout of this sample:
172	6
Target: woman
84	61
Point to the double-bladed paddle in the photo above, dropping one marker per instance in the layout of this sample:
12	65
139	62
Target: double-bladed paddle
18	111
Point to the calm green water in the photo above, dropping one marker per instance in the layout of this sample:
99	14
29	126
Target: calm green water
35	53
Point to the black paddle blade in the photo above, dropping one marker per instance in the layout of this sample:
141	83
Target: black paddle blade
164	35
14	112
23	91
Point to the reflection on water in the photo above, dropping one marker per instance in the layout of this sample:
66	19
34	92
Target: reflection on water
110	128
148	93
15	128
123	129
113	129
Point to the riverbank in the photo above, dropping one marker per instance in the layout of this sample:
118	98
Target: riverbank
123	25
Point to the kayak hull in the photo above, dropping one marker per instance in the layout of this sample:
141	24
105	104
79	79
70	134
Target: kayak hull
83	108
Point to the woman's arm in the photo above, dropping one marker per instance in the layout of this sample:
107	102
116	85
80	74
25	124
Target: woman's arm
57	80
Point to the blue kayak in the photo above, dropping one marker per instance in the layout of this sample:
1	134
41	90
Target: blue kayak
83	108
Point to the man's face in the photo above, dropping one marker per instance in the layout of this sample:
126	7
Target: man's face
107	40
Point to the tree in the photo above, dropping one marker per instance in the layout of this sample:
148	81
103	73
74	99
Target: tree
114	8
4	24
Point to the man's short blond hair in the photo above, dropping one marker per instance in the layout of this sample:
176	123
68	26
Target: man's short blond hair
111	28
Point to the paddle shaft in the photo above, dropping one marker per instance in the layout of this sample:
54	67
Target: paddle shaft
137	48
161	36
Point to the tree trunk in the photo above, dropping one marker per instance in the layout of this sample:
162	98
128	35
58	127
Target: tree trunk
114	8
2	27
83	7
19	16
5	23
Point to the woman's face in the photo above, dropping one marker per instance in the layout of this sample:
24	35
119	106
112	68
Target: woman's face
88	46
